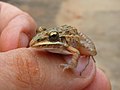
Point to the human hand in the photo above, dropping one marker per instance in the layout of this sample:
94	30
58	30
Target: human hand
26	68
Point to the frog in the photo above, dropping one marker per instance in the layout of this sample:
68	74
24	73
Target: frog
64	40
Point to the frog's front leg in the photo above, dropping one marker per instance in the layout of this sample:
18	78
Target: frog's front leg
74	61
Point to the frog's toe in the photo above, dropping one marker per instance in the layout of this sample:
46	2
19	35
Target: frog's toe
66	66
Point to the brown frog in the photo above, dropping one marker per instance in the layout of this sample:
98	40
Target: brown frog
64	40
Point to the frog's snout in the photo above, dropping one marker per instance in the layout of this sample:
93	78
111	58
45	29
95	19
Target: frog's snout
32	42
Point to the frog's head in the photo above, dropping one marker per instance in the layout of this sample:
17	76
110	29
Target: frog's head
48	38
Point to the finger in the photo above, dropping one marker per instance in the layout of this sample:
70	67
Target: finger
37	70
100	82
17	27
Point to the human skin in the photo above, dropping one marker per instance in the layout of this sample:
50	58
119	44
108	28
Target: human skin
24	68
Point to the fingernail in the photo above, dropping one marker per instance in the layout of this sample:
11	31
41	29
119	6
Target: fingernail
85	66
24	40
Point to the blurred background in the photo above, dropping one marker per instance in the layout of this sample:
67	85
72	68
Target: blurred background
99	19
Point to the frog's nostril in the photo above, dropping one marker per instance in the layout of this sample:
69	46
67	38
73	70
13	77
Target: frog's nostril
38	40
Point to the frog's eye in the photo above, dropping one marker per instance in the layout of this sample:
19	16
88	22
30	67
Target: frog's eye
53	36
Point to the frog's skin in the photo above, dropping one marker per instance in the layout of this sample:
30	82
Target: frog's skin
64	40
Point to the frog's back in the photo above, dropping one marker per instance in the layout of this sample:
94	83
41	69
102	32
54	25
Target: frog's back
78	40
70	35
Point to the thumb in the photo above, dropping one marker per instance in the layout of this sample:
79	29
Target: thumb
35	70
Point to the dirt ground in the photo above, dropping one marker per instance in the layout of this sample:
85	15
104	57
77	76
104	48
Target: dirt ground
99	19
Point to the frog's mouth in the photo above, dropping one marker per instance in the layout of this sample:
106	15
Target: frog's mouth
48	44
54	47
